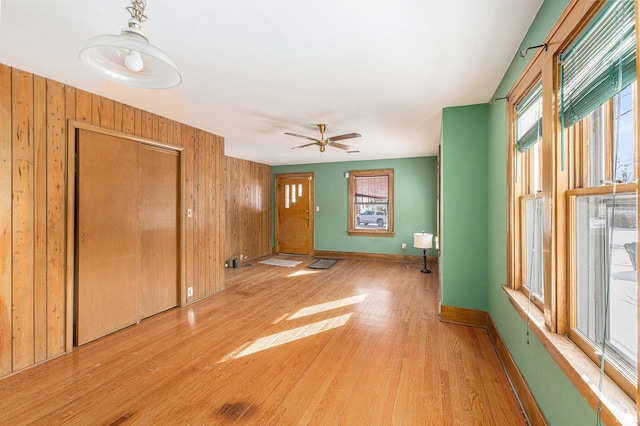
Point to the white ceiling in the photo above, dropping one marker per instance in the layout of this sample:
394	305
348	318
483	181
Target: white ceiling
255	69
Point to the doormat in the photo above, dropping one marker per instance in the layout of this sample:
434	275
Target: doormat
323	264
280	262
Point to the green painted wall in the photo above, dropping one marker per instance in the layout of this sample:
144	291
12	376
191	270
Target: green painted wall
560	402
465	140
414	208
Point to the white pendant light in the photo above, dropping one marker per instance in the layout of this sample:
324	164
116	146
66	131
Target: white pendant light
129	58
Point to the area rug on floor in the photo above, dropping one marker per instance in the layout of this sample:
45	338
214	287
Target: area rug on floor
280	262
323	264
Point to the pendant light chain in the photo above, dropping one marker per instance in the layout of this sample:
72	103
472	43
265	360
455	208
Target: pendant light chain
137	10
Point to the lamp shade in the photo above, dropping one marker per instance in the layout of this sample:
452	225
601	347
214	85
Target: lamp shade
109	55
422	240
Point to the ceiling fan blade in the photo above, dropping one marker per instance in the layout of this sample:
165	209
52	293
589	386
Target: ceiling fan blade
340	145
305	145
341	137
300	136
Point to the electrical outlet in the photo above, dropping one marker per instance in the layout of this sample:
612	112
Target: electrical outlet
189	291
404	246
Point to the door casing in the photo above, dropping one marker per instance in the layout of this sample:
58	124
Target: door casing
71	247
309	178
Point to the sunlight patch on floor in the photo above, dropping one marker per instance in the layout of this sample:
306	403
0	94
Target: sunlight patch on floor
323	307
287	336
300	273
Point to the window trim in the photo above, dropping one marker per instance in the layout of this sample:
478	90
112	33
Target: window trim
617	407
351	222
551	323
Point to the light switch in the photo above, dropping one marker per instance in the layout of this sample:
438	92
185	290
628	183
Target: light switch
189	212
317	208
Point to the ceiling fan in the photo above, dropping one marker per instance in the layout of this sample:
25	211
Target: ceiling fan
323	143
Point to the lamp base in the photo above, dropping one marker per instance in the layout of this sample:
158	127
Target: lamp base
424	256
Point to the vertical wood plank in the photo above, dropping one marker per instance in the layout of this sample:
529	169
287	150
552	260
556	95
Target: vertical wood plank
155	126
176	139
6	228
246	219
214	214
196	213
209	171
201	205
128	124
147	125
40	218
162	130
138	122
218	221
229	205
265	200
178	134
254	193
70	102
169	137
201	208
56	214
68	209
96	110
220	179
107	115
23	220
83	106
117	118
189	141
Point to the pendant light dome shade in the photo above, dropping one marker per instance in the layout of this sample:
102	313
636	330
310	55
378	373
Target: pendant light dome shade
129	58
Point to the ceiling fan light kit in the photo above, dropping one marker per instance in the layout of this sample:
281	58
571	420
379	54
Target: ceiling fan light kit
323	143
129	58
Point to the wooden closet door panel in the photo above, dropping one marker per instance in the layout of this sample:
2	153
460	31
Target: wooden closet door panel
107	241
159	207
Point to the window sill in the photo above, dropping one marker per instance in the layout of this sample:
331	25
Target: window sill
371	233
616	406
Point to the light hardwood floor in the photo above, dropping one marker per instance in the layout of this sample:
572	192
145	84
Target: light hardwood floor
357	344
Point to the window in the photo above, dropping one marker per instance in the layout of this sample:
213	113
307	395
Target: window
573	180
603	218
529	176
371	202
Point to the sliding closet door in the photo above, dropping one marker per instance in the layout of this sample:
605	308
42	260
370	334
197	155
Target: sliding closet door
159	201
107	239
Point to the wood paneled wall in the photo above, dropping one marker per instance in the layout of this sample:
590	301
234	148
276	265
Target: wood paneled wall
36	306
248	219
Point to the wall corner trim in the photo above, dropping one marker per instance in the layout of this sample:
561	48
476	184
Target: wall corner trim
476	318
